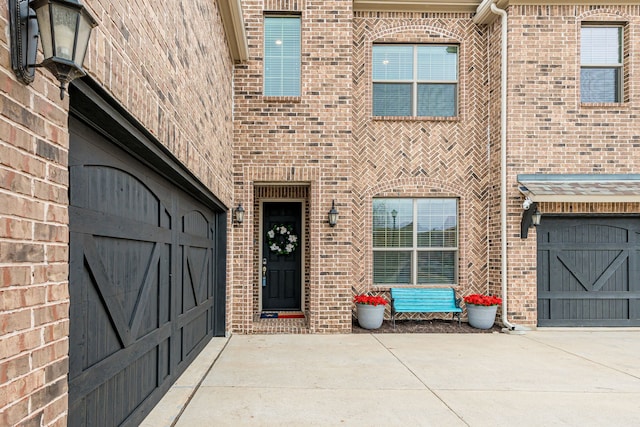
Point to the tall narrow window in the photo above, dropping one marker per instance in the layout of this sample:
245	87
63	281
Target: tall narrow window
415	80
601	64
281	56
415	241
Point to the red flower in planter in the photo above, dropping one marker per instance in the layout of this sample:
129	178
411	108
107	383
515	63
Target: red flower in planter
369	300
478	299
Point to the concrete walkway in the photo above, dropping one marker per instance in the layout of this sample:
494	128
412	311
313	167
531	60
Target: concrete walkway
544	378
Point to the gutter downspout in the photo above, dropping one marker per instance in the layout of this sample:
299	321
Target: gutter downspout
481	13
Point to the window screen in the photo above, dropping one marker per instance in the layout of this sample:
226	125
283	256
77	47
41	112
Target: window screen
415	80
281	56
415	241
601	64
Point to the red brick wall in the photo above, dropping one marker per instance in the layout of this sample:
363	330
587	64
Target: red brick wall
175	77
293	141
551	132
422	157
494	237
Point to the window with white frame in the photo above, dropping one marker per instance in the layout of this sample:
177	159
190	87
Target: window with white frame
281	56
415	241
415	80
601	63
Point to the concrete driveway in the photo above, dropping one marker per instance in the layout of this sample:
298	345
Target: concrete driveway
544	378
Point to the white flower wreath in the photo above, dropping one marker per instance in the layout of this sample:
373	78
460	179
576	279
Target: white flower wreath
281	239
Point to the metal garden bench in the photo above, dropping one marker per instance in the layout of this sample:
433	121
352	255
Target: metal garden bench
424	300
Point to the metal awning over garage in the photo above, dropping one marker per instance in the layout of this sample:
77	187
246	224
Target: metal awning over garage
580	187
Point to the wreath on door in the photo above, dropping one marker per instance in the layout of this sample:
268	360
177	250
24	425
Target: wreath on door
282	240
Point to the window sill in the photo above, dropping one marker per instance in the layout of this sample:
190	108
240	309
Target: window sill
604	104
414	119
387	287
283	99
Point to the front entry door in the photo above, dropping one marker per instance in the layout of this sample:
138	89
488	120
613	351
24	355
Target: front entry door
281	256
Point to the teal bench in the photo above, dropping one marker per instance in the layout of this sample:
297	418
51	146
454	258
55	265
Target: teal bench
424	300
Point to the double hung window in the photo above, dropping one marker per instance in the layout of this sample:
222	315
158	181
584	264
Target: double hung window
601	63
281	56
415	80
415	241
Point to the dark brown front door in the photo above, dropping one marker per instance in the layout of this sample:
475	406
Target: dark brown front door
281	266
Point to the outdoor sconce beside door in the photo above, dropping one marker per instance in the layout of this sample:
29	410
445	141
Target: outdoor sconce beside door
238	214
64	28
531	216
333	214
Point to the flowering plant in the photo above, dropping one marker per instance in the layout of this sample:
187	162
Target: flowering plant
477	299
281	239
369	300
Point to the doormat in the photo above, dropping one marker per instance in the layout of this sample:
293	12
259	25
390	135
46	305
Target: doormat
272	315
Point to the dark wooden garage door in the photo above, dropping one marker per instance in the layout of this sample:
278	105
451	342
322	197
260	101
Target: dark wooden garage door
589	271
142	274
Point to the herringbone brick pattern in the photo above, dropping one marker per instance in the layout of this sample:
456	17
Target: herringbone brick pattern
404	157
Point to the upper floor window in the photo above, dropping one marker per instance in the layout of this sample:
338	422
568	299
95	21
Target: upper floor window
281	56
601	63
415	241
415	80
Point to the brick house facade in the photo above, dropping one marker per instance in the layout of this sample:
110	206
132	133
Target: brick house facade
175	85
178	92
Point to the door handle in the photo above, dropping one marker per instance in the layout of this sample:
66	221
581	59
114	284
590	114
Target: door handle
264	272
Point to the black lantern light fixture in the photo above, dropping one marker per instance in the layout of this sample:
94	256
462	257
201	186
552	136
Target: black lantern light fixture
333	214
64	28
536	217
238	214
531	217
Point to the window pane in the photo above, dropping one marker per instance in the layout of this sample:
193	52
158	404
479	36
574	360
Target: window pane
600	85
436	267
391	99
437	63
282	56
437	100
437	223
392	267
392	62
600	45
392	223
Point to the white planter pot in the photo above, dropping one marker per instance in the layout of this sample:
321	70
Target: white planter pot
481	316
370	316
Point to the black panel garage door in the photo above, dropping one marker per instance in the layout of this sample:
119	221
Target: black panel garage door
142	282
589	271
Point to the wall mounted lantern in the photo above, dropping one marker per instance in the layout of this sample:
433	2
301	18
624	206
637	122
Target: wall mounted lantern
64	28
238	214
531	216
536	217
333	214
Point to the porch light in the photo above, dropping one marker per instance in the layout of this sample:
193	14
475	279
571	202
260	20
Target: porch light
64	28
536	217
531	217
333	214
238	214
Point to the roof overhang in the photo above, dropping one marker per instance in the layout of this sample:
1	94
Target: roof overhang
580	188
485	16
233	23
469	6
417	5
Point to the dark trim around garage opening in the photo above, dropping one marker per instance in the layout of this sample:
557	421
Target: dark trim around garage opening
93	105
